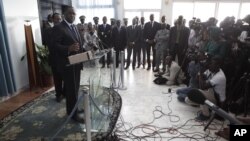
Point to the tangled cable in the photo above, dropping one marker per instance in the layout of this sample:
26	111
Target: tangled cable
125	131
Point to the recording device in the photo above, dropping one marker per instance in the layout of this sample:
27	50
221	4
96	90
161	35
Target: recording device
196	96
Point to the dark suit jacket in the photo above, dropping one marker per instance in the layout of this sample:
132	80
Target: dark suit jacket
183	39
119	38
51	47
141	33
105	35
63	38
149	31
132	34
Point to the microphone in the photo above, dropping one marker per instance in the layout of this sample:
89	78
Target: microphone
196	96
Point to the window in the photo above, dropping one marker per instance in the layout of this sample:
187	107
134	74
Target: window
204	10
245	10
182	8
92	8
95	3
140	8
92	12
224	11
142	4
131	15
156	16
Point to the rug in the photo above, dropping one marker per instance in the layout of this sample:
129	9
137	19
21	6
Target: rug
43	117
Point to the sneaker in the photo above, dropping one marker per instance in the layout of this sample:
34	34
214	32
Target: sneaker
181	98
202	117
191	103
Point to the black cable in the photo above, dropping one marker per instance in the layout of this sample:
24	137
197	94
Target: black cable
126	130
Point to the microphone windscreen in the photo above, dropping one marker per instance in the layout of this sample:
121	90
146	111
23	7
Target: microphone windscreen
196	96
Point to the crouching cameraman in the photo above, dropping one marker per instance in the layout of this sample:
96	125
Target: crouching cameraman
212	84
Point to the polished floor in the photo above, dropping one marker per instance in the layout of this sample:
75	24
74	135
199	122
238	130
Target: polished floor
144	102
149	112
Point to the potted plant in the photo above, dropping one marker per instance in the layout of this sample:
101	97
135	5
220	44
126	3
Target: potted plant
42	53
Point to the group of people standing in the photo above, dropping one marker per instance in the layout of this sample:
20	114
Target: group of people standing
64	38
136	38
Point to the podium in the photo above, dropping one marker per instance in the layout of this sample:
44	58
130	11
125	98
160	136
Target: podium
101	104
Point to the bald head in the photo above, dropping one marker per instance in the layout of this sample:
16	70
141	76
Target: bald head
69	14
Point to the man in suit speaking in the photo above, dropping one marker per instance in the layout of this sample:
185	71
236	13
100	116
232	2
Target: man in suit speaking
68	42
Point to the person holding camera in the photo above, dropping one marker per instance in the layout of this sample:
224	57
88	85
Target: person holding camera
212	84
173	74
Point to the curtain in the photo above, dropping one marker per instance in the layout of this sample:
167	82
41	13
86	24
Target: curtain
7	81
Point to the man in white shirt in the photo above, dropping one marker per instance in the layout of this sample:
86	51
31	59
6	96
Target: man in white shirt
173	74
212	86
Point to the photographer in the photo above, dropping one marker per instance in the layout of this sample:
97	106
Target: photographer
198	64
212	84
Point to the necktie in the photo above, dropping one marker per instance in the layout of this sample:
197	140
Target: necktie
73	31
152	23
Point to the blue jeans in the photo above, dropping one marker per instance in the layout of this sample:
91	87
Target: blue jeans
183	92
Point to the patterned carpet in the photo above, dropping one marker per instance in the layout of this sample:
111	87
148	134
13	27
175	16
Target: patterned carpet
41	119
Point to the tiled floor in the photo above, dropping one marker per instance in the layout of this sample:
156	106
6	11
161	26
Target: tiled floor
142	97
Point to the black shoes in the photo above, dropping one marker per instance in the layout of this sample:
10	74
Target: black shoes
148	68
103	66
156	70
80	111
59	98
133	67
157	75
126	67
78	118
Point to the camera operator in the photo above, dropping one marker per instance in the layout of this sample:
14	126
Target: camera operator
194	37
212	84
198	64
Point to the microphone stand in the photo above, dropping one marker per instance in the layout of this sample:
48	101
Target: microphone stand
210	121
